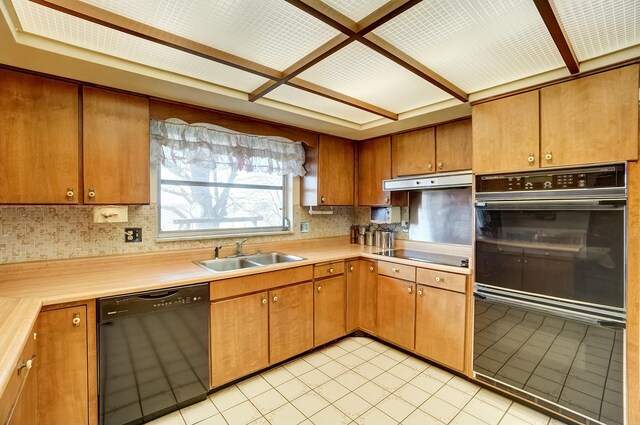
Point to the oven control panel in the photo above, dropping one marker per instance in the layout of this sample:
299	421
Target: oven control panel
583	178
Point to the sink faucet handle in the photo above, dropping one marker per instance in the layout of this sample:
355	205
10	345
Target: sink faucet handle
216	251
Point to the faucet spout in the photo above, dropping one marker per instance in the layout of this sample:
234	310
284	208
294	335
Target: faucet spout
239	247
216	251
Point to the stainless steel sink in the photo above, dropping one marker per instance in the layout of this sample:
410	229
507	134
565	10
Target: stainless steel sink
256	260
269	258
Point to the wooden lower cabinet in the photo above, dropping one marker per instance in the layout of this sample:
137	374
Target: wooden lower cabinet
440	326
25	411
396	311
329	309
239	337
67	373
290	321
361	296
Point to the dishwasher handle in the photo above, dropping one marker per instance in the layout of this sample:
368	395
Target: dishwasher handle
158	295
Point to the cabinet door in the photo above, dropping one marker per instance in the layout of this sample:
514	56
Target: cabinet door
25	412
396	311
374	165
590	120
336	179
39	140
453	146
506	133
353	278
413	153
368	296
290	321
329	309
239	337
440	326
115	147
63	381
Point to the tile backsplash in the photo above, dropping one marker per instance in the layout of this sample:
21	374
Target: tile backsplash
31	233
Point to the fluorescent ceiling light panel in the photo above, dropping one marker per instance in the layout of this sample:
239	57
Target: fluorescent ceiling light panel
356	10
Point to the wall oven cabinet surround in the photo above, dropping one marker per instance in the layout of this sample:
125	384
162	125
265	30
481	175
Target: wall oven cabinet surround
550	309
330	178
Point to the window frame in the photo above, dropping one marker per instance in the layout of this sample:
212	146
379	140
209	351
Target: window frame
173	235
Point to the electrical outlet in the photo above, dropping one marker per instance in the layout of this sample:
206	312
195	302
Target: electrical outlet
304	227
133	234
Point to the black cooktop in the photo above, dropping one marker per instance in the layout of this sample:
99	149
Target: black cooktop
427	257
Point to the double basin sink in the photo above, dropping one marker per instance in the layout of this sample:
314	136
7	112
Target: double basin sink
246	261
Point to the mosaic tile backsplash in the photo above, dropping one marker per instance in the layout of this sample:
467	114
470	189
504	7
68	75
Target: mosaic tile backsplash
31	233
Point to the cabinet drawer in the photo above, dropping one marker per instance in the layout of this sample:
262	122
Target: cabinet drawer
444	280
399	271
17	380
328	269
258	282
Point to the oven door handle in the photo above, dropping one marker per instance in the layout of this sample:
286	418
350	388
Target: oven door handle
586	318
553	204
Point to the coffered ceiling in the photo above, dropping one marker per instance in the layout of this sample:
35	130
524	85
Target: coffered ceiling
363	65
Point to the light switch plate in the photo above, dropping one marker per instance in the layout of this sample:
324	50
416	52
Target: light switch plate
304	227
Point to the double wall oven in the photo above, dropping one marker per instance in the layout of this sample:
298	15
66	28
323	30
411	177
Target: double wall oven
550	317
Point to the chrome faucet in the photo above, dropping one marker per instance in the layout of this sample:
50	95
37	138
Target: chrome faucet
216	251
239	248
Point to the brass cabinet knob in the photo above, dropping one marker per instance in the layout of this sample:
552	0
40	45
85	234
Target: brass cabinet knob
319	288
275	298
395	270
76	320
330	270
439	279
70	193
264	301
322	199
350	268
549	156
420	292
371	268
430	166
92	193
440	164
409	289
531	158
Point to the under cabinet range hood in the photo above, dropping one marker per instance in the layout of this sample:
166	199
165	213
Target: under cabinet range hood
430	181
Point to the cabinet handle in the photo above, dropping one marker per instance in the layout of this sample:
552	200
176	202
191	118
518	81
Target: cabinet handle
264	301
70	194
330	270
275	298
319	288
92	193
322	199
420	292
430	166
350	268
531	158
549	156
395	270
439	279
26	365
440	164
371	268
76	320
409	289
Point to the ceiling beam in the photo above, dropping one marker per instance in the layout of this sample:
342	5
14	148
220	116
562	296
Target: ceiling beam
117	22
356	103
549	16
361	31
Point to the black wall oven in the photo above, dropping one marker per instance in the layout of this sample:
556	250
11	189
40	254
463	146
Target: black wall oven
550	316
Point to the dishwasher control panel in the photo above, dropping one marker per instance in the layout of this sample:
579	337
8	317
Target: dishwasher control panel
153	301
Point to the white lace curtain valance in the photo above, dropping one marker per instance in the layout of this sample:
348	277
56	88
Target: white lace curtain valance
175	142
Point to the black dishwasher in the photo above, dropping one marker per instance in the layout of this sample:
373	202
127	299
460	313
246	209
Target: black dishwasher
153	353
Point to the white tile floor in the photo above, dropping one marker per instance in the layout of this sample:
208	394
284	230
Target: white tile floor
356	381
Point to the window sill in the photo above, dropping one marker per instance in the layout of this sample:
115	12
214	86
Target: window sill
174	238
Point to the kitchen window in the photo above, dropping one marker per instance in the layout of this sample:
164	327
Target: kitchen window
213	182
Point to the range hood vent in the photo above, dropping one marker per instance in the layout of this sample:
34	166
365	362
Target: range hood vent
430	181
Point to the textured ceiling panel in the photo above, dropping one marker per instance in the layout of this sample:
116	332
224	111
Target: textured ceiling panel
359	72
599	27
270	32
475	44
67	29
356	10
296	97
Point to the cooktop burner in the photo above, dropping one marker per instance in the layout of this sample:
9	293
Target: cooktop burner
427	257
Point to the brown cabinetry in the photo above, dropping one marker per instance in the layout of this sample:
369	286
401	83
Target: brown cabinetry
329	309
361	296
590	120
115	154
330	178
440	326
39	141
443	148
290	321
396	306
239	337
374	166
18	401
66	390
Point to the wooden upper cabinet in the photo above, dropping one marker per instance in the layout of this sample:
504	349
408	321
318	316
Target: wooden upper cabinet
413	153
239	337
590	120
330	178
506	134
397	311
329	309
453	146
116	147
374	166
39	141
